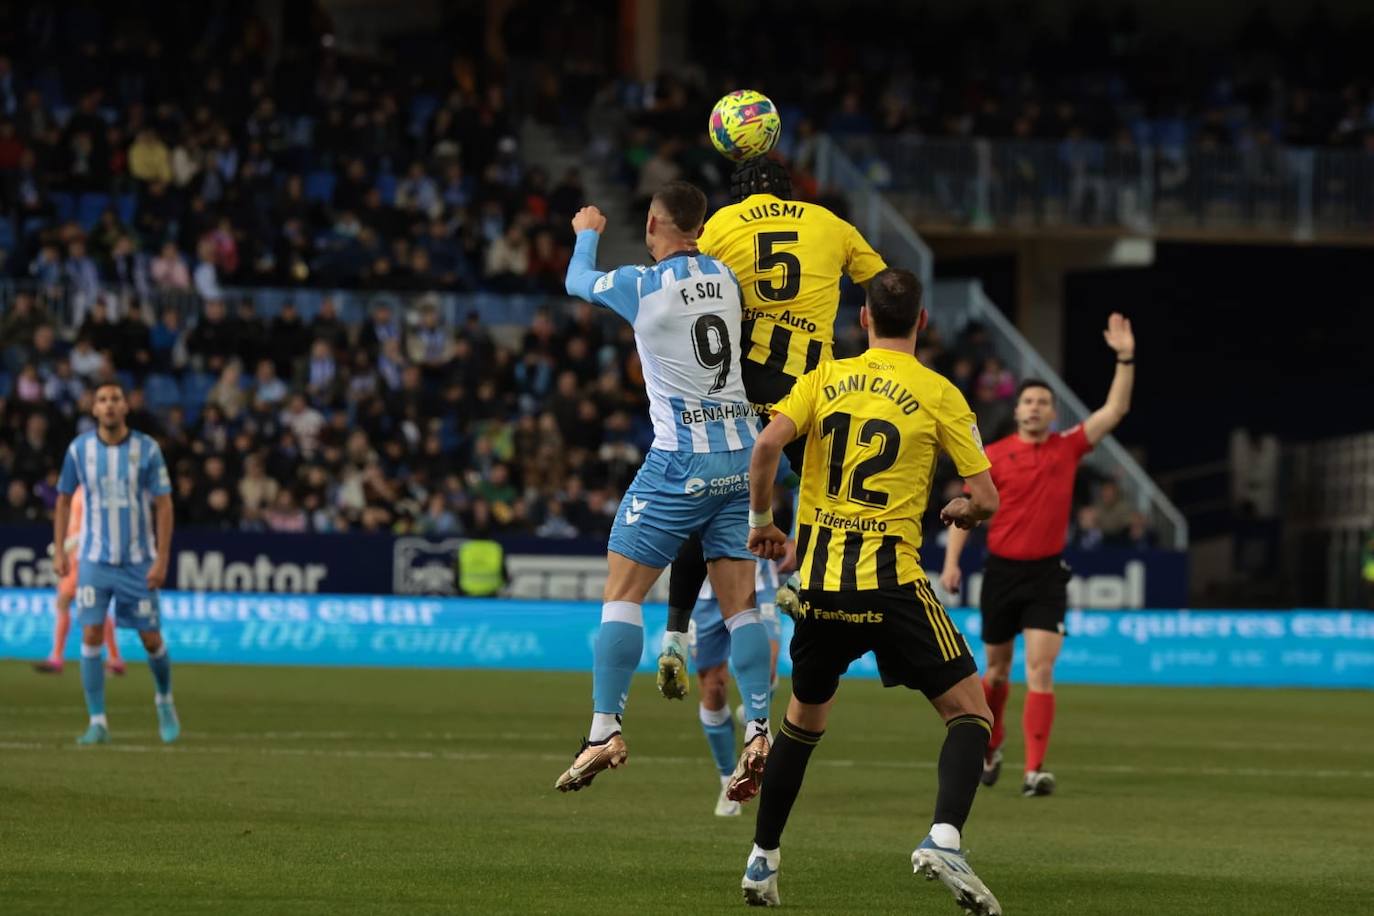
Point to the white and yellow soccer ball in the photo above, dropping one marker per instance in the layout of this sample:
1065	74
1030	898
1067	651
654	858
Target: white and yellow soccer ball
744	124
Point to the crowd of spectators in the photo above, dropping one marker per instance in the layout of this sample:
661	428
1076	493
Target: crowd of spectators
156	167
191	167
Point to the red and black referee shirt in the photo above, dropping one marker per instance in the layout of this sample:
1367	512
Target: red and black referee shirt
1035	488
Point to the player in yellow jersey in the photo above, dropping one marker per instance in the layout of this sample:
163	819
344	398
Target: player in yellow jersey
874	426
789	257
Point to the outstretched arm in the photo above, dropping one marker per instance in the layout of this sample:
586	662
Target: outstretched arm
1106	418
616	290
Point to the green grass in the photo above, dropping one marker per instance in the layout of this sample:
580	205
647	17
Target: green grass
333	791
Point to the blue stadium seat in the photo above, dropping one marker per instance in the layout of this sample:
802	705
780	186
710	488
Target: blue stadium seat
126	379
319	187
6	382
126	205
64	204
162	392
386	185
7	235
422	108
89	207
194	390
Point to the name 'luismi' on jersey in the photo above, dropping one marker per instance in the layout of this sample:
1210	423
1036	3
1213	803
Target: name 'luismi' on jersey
875	425
789	257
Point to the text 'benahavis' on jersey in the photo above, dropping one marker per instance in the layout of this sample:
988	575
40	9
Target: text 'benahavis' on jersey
875	425
685	311
789	257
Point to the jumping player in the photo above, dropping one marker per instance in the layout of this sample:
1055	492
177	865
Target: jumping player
126	538
875	425
789	257
709	641
1025	583
66	593
685	311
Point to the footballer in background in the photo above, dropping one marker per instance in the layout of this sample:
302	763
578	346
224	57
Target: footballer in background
789	257
66	594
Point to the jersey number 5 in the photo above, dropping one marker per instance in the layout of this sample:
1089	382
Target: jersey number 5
766	260
711	344
835	427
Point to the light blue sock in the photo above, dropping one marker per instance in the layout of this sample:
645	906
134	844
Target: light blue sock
161	665
619	645
93	678
749	657
720	737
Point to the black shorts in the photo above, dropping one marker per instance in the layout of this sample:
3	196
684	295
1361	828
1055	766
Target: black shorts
916	643
765	386
1023	595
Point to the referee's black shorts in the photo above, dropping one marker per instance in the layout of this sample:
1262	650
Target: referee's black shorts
1023	595
916	643
765	386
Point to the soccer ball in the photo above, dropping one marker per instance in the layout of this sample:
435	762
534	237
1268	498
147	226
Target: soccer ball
744	124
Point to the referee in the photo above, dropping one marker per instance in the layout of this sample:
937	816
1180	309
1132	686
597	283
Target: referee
1025	584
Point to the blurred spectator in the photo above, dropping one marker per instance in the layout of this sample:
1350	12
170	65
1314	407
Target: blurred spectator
168	270
148	158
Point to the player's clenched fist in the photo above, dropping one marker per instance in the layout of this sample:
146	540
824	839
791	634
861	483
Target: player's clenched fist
589	218
767	543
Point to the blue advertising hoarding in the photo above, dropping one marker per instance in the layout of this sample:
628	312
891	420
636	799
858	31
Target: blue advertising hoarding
1304	648
380	564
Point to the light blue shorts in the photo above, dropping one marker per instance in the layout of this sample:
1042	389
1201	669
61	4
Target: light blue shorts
677	494
135	605
708	639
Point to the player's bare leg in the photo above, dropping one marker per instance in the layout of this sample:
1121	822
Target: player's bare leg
733	582
619	644
53	664
996	690
114	662
1042	650
967	730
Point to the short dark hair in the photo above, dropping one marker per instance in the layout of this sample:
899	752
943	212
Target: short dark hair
110	383
684	203
1034	383
894	302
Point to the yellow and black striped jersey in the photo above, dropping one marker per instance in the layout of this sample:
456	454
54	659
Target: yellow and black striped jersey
875	425
788	256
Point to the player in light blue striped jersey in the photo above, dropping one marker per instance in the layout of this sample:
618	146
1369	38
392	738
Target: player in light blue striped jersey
126	540
686	312
709	643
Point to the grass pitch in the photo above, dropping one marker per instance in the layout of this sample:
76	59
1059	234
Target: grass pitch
373	791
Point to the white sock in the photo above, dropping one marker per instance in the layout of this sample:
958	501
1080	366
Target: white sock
162	698
754	728
771	856
946	835
100	720
725	781
714	716
604	724
675	641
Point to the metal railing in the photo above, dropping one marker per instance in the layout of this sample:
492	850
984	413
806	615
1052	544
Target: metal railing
980	184
955	304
